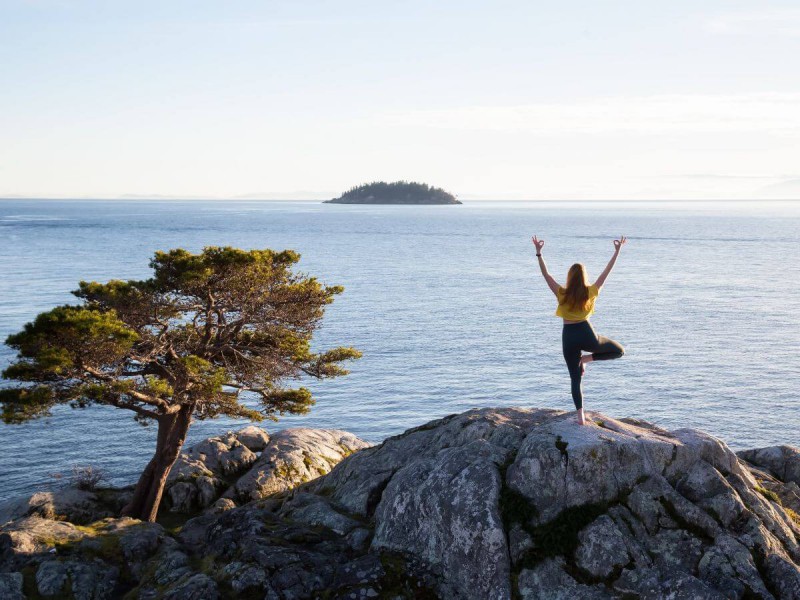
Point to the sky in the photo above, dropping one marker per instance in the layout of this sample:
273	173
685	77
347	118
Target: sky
498	100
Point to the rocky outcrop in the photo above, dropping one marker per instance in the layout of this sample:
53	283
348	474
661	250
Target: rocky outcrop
62	560
292	457
618	507
782	462
250	464
777	470
253	438
83	579
492	503
214	474
65	504
200	474
11	586
445	510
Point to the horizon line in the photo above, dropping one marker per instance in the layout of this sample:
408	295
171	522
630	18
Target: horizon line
321	201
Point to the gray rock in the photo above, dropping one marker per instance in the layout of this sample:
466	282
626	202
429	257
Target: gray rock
640	582
701	482
23	540
726	507
195	480
675	549
51	578
789	493
365	571
208	490
602	548
645	504
359	538
784	576
445	511
769	525
658	505
314	510
172	566
519	542
633	534
196	587
549	580
728	567
649	584
90	580
254	438
11	586
687	587
221	505
292	457
182	496
631	468
782	461
137	540
697	445
65	504
561	464
248	578
222	455
93	580
358	482
190	496
469	506
127	540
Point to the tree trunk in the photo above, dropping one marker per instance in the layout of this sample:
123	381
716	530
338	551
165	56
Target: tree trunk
172	431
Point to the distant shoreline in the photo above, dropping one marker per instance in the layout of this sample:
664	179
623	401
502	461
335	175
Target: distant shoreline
469	201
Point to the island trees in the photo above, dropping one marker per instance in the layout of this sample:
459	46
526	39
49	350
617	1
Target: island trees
396	192
214	333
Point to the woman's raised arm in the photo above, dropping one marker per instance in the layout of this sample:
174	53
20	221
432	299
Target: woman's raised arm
618	244
552	284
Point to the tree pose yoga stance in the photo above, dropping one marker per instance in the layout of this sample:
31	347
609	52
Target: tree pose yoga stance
575	305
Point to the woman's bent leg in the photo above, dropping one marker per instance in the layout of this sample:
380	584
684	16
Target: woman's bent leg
606	349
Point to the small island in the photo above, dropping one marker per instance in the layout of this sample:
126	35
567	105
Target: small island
397	192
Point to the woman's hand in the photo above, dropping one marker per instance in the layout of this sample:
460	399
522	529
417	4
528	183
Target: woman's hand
618	244
551	283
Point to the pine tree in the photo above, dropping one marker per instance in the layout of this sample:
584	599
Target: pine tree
214	333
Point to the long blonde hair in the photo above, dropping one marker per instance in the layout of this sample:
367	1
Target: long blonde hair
576	293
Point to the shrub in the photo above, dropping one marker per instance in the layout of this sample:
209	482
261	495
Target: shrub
87	477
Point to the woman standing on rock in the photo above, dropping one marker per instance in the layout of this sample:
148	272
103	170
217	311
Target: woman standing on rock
575	305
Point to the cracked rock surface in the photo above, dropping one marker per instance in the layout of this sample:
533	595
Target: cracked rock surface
491	503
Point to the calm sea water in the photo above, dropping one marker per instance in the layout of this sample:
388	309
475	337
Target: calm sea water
447	304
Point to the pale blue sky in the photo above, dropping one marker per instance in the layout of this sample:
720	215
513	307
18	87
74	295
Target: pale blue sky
487	99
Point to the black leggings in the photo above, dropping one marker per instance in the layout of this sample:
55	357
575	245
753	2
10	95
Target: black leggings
581	336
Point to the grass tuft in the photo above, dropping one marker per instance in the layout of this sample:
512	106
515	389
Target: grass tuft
769	494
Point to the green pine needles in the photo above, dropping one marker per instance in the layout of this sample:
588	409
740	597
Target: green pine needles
219	332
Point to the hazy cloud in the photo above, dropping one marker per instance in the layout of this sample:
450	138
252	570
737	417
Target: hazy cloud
784	190
777	113
733	176
767	22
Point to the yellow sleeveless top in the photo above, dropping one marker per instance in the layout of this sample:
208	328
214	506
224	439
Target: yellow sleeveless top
570	314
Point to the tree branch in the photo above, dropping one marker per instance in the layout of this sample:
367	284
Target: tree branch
151	400
137	409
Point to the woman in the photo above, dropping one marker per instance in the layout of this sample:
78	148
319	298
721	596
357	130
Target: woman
575	304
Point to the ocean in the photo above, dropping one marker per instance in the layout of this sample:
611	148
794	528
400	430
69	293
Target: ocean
450	311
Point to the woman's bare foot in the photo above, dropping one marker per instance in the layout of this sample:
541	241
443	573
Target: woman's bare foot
581	418
585	359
